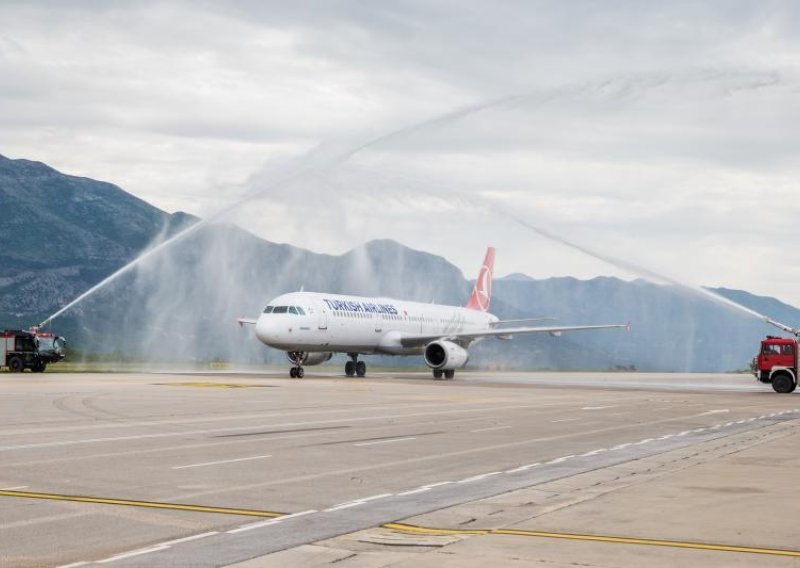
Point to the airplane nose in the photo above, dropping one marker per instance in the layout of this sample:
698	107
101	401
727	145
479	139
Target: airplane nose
266	329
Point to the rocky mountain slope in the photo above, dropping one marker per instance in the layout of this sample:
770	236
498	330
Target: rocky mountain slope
61	234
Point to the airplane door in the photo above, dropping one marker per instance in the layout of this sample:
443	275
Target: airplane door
322	319
378	323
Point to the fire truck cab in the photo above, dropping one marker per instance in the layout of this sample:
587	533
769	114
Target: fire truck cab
20	350
776	363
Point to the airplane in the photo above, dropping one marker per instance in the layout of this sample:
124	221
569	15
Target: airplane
312	326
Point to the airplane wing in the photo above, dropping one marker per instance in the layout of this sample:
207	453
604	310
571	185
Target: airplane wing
505	333
529	320
247	321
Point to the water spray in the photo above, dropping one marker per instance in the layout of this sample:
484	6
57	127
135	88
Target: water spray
317	162
485	204
635	268
793	330
325	163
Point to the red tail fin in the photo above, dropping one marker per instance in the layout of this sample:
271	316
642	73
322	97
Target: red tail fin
482	293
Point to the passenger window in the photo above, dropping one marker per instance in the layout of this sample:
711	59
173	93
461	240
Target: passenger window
268	310
280	309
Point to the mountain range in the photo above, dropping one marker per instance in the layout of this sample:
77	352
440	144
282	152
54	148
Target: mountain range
62	234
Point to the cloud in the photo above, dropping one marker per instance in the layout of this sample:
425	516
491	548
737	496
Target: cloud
664	133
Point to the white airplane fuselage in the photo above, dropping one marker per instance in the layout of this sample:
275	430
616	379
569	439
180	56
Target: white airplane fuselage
356	324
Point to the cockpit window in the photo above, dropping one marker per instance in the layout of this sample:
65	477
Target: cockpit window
294	310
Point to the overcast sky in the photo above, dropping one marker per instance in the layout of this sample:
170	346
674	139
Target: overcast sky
665	134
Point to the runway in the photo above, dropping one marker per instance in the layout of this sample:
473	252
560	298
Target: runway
221	468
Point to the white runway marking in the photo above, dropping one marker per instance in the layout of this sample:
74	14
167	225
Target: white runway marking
189	538
13	488
594	452
133	553
490	429
221	462
269	522
385	441
424	488
519	469
479	477
524	467
566	420
73	565
595	407
357	502
560	460
250	427
715	412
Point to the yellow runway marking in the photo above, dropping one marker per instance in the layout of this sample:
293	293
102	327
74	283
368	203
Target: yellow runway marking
400	527
149	504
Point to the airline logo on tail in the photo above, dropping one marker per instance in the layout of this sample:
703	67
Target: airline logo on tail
482	293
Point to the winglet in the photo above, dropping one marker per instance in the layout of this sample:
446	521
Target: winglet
482	293
628	326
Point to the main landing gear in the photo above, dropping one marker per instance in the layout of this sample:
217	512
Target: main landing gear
354	366
448	374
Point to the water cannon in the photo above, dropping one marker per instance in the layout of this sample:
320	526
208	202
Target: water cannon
784	327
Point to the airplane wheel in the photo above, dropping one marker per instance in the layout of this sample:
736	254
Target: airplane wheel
449	374
300	373
293	372
361	368
349	368
437	373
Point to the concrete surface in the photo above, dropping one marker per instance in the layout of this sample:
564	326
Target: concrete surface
350	454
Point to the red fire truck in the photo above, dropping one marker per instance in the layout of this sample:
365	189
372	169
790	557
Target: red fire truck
34	350
776	362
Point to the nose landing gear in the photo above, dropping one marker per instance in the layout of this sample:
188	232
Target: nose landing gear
298	358
354	366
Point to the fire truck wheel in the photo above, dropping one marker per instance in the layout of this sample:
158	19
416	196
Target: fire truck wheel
783	383
16	365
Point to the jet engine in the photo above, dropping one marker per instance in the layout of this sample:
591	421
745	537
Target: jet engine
445	355
305	358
